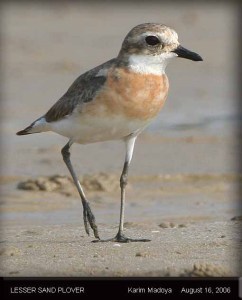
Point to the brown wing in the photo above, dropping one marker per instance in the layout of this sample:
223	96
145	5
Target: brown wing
83	89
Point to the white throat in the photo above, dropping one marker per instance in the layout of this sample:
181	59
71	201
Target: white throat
150	64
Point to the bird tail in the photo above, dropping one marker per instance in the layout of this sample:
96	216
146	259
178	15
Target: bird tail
40	125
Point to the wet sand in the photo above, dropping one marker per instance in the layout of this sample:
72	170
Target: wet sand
187	216
183	185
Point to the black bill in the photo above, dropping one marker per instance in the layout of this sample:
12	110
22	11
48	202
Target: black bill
183	52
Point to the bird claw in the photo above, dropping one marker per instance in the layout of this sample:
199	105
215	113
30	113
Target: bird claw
89	219
121	238
86	224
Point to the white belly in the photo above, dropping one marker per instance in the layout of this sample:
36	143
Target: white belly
84	129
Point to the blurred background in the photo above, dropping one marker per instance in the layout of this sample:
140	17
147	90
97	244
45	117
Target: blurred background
46	46
191	150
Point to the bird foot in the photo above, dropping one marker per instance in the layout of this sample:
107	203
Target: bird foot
89	219
121	238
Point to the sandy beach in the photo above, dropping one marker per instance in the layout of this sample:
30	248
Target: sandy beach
184	184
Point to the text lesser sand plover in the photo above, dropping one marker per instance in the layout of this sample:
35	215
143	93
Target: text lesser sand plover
115	101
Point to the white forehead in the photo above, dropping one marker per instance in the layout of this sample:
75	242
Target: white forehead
168	36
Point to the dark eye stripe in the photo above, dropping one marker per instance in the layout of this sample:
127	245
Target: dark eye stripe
152	40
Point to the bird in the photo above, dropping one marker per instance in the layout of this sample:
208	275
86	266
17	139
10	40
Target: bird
116	100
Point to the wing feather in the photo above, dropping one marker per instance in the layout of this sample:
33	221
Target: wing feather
83	89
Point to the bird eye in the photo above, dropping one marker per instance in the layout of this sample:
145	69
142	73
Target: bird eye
152	40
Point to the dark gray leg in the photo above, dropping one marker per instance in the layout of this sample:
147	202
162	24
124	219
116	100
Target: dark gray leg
87	213
120	237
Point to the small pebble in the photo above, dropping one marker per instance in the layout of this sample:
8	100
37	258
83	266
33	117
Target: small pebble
182	225
14	272
163	225
167	225
116	245
141	254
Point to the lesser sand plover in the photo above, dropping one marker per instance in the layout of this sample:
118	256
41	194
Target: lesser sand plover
115	100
